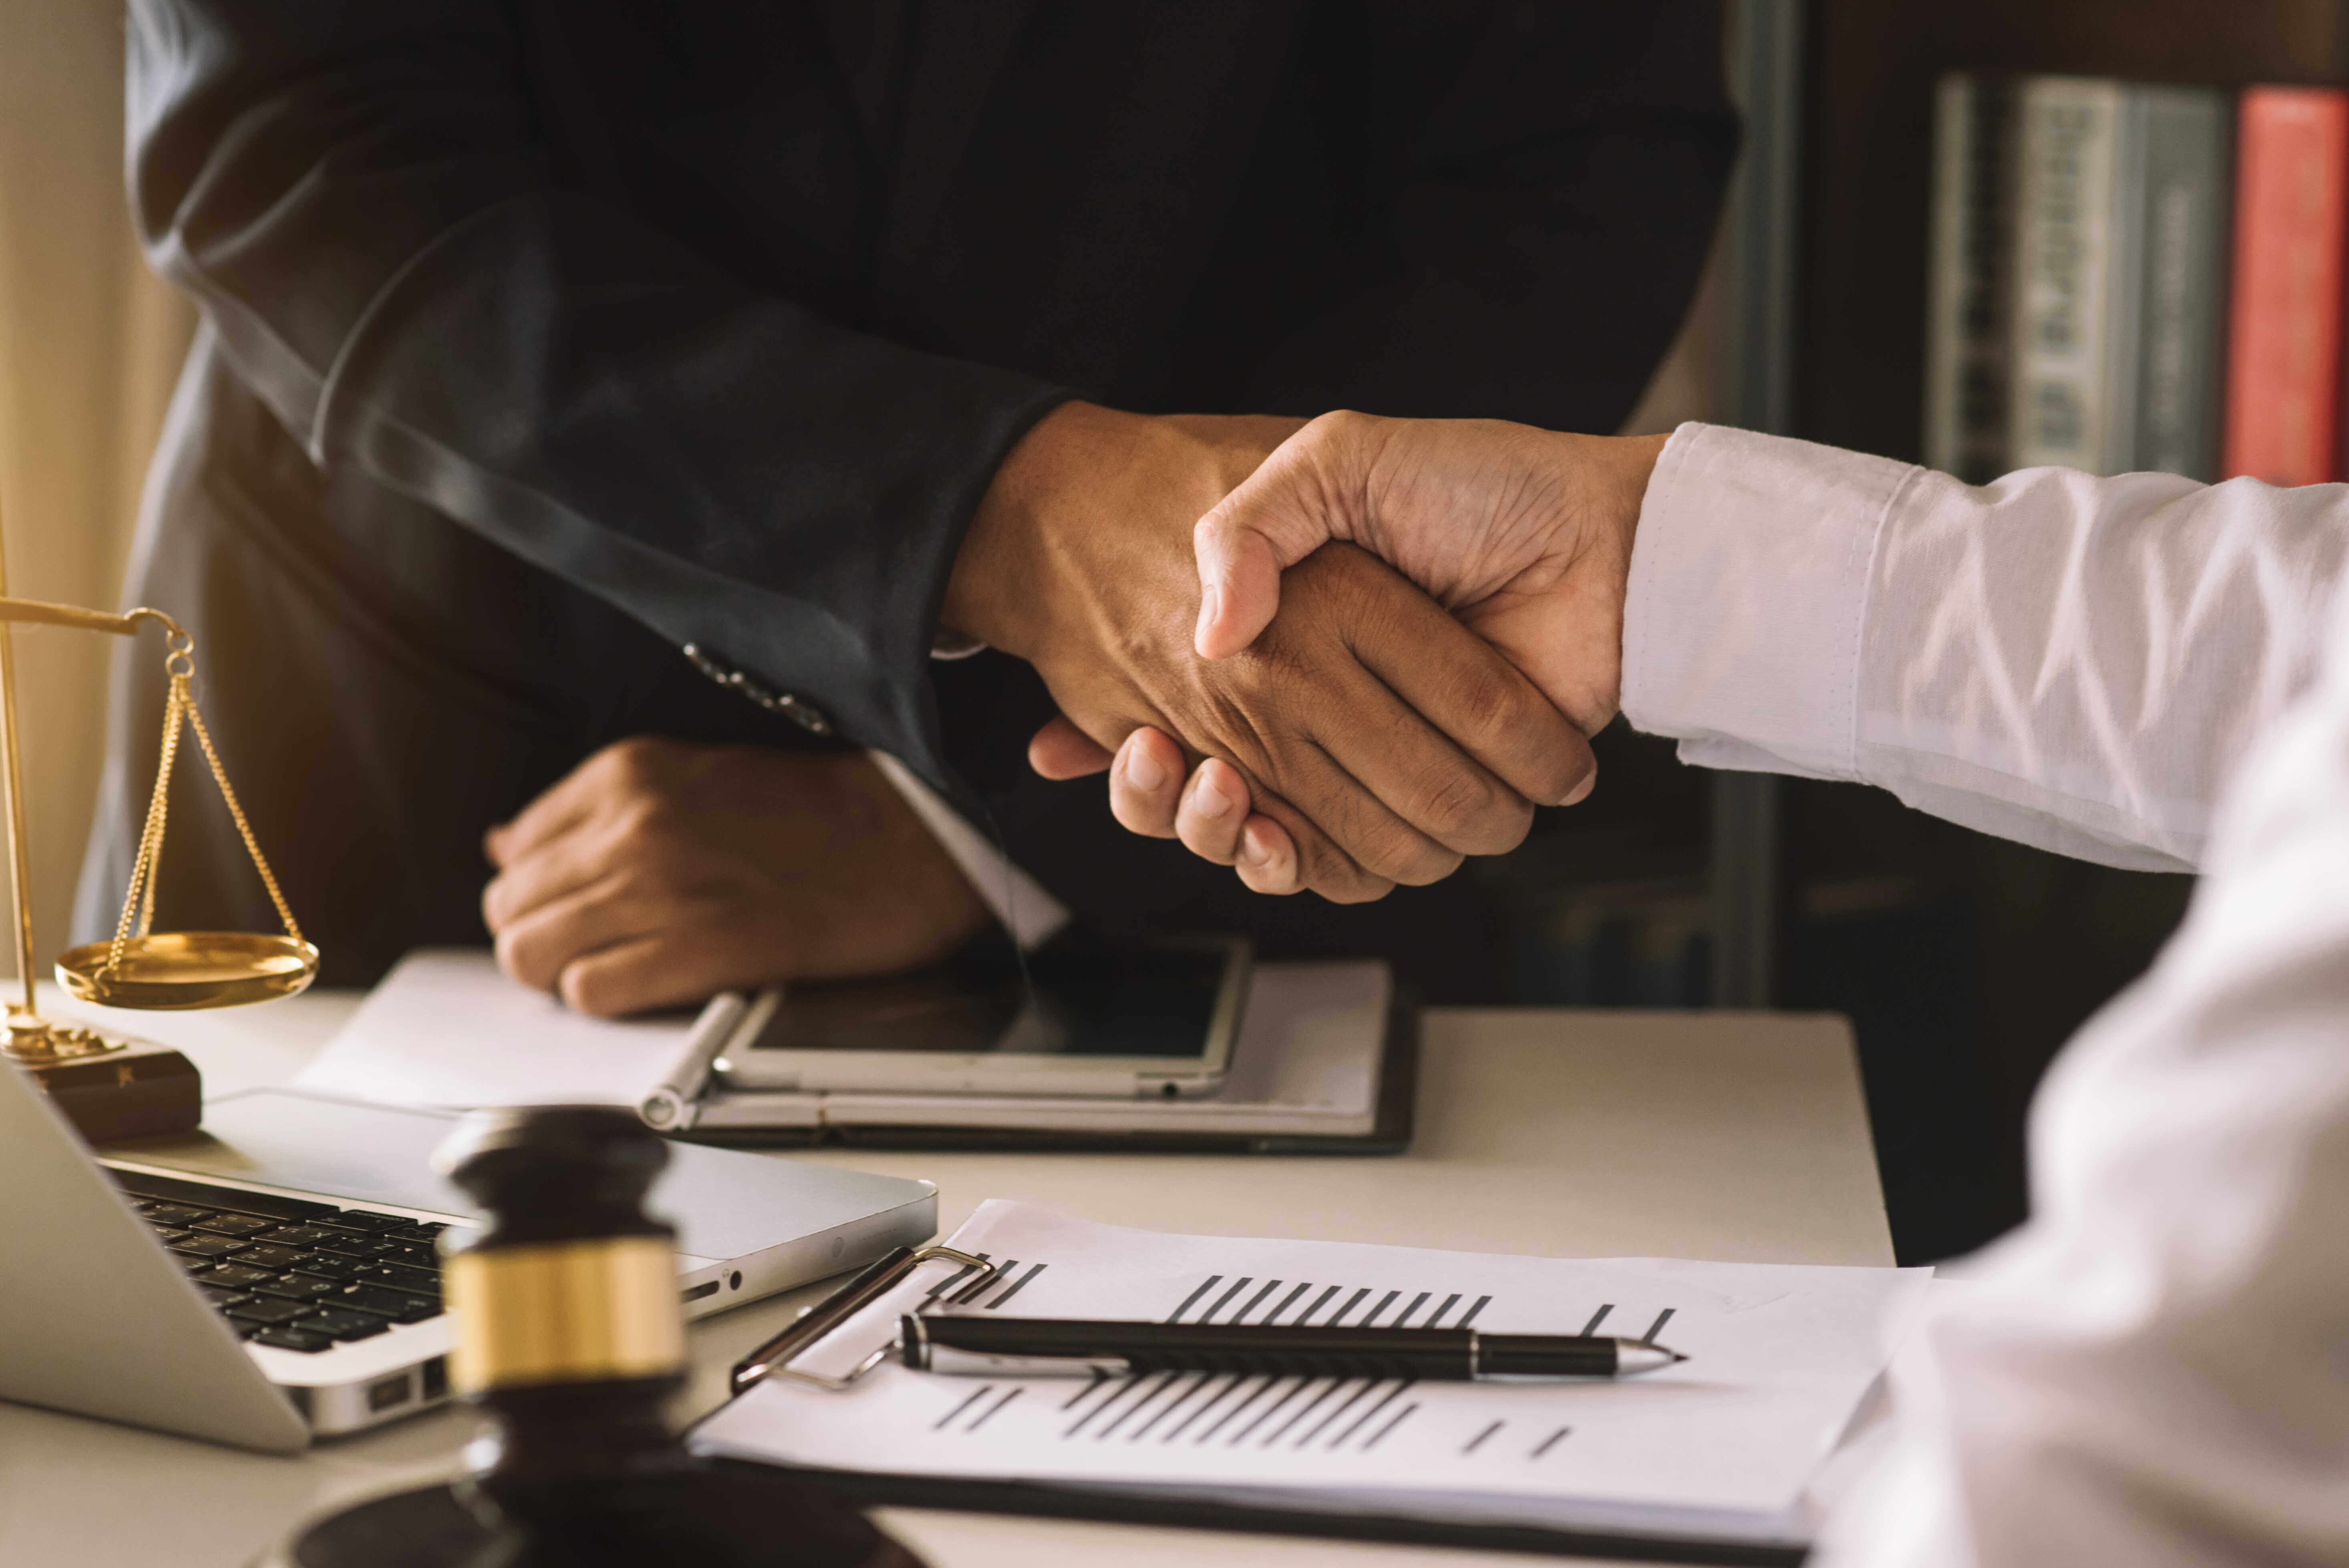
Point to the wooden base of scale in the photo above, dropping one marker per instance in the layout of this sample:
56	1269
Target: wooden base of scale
136	1093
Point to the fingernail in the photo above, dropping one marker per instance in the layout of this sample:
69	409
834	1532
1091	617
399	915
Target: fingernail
1211	603
1142	769
1254	850
1212	802
1574	795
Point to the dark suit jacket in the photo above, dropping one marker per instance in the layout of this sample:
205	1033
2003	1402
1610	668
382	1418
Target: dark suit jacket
546	336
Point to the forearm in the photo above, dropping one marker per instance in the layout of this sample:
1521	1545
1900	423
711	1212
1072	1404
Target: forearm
2075	662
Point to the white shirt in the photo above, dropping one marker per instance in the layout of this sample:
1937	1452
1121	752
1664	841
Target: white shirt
2142	671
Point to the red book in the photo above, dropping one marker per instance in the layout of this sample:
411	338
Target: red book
2284	348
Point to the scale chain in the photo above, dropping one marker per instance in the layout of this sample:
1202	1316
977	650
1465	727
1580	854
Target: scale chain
139	901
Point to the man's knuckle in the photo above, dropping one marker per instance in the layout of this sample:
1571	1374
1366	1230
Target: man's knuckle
1460	806
638	760
528	957
1485	702
643	827
1417	867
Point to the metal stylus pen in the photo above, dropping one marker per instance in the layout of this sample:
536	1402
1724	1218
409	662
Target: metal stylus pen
1064	1348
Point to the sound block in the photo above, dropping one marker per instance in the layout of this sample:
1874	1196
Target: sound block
138	1093
707	1518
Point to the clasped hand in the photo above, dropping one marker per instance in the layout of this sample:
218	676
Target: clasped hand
1525	535
1376	737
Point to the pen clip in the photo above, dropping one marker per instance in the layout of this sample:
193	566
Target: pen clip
773	1359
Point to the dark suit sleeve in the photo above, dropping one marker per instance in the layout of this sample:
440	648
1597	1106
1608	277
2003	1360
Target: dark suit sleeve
1543	181
361	199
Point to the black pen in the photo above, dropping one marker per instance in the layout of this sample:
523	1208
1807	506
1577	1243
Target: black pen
1065	1347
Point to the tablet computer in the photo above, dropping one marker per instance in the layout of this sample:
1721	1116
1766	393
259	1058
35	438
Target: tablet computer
1084	1015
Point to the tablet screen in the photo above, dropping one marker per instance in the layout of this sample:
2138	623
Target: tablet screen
1083	997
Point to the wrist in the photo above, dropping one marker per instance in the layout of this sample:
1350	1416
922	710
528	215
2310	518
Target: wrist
1001	550
1088	517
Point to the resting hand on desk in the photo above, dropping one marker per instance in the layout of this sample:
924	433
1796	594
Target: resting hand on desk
658	873
1384	740
1524	534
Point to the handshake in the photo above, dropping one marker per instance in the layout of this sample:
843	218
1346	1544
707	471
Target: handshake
1336	655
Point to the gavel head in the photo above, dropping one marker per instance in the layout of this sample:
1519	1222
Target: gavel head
570	1333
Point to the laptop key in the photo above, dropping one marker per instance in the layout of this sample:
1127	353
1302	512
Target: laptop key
330	1265
236	1276
355	1245
303	1236
423	1282
340	1325
232	1224
300	1339
397	1306
267	1314
297	1287
366	1220
414	1254
222	1298
171	1238
267	1255
207	1246
173	1214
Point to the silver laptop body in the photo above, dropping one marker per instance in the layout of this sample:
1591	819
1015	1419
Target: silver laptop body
122	1295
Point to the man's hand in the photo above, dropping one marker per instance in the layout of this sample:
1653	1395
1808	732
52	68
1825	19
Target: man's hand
1384	740
1524	535
659	873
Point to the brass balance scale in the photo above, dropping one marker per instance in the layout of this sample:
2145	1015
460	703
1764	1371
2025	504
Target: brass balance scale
140	967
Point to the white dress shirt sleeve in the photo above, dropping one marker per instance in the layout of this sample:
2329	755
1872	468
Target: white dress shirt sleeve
2154	1370
2075	663
1018	901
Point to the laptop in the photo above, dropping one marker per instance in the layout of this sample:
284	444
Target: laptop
275	1277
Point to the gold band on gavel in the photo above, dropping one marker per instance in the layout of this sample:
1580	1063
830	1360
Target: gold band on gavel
565	1312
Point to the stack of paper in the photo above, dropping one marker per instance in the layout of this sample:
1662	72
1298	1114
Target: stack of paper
1718	1448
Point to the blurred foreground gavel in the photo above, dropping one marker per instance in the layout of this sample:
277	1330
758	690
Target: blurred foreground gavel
570	1336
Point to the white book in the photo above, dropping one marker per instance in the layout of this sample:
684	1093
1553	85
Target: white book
2065	407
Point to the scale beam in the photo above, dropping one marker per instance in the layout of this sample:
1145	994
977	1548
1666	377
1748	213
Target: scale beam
41	612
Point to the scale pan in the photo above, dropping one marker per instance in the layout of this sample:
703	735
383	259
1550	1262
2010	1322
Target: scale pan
179	970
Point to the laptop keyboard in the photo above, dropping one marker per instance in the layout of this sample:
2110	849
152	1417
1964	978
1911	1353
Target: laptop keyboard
289	1272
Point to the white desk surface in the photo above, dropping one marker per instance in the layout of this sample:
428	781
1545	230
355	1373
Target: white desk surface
1566	1133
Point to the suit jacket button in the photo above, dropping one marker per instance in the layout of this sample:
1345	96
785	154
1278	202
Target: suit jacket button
804	714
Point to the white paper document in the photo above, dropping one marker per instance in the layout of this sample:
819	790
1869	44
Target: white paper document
448	1031
1779	1356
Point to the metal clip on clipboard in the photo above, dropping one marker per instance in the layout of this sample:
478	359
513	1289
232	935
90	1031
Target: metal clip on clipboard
773	1359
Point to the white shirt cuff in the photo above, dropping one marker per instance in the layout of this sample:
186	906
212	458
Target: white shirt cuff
1019	901
1748	589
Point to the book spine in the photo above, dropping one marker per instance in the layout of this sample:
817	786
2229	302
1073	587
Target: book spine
2182	219
2066	158
2123	285
2284	320
1966	323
